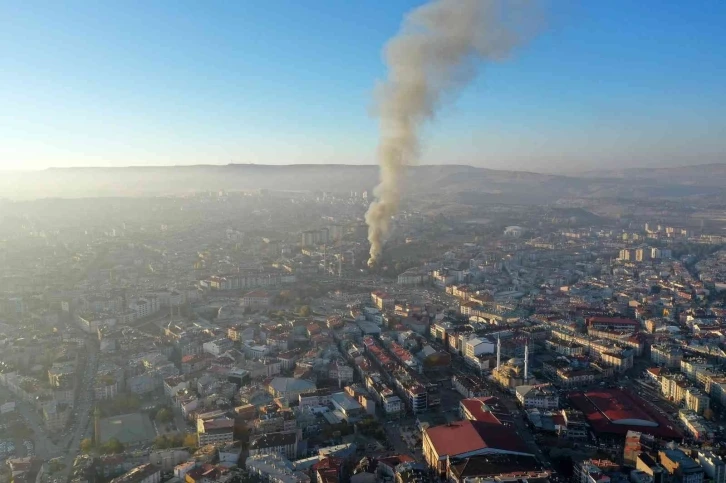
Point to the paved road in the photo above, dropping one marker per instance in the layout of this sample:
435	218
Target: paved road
44	447
393	432
68	446
522	429
83	428
181	424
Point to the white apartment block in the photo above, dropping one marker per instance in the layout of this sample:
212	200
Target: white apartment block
540	397
668	356
145	307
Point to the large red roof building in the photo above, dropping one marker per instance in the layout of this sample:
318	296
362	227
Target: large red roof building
613	411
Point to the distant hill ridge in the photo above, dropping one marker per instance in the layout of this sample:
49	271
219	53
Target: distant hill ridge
440	179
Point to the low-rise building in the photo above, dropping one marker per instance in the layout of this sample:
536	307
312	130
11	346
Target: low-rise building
290	387
256	299
468	386
283	443
712	465
696	400
442	444
349	407
147	473
215	431
540	396
680	466
666	355
274	468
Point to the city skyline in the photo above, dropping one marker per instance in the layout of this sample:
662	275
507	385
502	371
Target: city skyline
620	85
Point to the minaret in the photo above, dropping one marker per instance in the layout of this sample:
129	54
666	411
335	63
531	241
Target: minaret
499	351
526	361
97	426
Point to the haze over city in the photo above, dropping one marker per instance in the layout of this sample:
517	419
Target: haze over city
452	241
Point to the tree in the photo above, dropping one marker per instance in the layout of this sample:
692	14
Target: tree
163	442
175	440
190	440
21	431
164	415
86	445
113	446
283	297
304	311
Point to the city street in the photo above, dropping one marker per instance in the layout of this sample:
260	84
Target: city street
44	447
83	426
181	424
393	432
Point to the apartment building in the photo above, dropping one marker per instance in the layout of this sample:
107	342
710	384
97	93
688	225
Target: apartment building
666	355
215	431
283	443
538	396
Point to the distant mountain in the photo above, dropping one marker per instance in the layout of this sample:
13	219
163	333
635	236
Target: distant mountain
703	174
456	182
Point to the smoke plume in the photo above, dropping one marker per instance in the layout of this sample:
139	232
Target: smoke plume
437	50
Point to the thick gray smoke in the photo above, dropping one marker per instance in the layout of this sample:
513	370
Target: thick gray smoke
436	51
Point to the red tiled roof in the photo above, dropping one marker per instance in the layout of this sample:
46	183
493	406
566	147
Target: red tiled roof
470	436
196	473
602	424
616	406
330	462
476	409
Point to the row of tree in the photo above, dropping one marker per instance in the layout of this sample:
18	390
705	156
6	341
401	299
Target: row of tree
175	440
112	446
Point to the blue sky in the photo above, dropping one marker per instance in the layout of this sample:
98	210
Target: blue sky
607	84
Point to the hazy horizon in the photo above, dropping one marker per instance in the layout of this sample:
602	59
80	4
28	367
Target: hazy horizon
565	172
